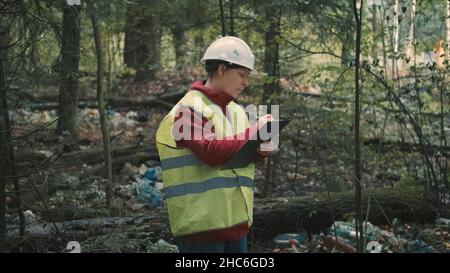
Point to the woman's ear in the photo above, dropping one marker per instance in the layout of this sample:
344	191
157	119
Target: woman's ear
221	70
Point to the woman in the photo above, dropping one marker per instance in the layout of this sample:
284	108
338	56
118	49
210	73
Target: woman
211	208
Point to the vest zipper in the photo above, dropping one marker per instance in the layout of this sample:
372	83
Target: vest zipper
243	195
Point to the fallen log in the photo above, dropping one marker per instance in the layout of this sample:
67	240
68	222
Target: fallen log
408	147
313	214
93	156
279	215
84	228
168	94
165	101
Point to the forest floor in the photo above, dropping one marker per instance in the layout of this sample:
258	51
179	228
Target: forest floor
61	196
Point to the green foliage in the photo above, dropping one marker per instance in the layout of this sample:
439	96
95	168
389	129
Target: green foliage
409	184
316	52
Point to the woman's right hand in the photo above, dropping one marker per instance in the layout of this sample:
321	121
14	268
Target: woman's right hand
263	120
267	148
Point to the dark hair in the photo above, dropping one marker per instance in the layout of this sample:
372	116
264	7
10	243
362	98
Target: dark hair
211	66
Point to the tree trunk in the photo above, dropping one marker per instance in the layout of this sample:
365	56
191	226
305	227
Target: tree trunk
7	161
199	15
358	182
3	139
101	104
410	46
143	39
271	67
375	32
199	45
448	30
346	50
271	51
232	18
131	38
384	40
396	27
70	51
395	38
180	39
149	49
222	18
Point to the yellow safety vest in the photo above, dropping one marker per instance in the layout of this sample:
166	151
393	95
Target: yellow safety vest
200	197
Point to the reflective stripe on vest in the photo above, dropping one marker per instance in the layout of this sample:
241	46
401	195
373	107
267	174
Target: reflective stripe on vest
210	184
181	161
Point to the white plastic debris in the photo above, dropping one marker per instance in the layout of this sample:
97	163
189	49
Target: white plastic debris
163	247
374	247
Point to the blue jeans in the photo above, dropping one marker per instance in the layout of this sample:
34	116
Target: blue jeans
239	246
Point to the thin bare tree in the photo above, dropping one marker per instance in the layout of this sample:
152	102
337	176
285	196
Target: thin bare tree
222	18
100	101
357	8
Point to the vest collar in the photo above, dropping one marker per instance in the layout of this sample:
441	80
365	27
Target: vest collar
217	96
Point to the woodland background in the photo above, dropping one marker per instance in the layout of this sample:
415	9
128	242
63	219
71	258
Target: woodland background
84	86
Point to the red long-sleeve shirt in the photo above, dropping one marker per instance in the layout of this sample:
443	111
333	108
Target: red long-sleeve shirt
213	152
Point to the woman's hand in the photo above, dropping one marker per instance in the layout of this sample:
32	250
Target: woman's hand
263	120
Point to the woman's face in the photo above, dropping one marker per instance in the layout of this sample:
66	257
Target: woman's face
233	81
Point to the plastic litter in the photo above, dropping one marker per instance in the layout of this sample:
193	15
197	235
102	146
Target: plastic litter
162	246
337	243
419	246
374	247
443	221
284	240
153	173
148	191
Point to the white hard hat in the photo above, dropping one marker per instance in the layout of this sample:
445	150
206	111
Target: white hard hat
231	49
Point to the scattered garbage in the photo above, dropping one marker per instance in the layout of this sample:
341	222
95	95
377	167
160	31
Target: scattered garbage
162	246
294	247
398	238
153	174
346	230
129	169
443	221
29	217
285	240
378	240
419	246
42	117
131	115
147	193
72	247
147	190
120	121
159	186
110	112
336	243
14	219
374	247
143	169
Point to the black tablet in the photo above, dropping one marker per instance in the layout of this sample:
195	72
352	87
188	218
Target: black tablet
247	153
